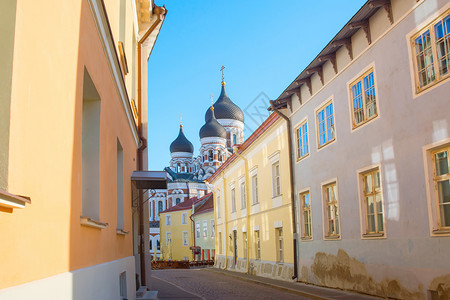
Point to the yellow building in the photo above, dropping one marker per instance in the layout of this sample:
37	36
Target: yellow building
73	119
253	210
176	231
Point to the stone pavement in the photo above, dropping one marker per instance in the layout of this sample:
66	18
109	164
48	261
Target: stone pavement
301	289
169	291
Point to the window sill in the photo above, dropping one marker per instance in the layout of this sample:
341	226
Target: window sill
306	238
441	231
299	159
86	221
373	235
332	237
8	200
122	232
326	144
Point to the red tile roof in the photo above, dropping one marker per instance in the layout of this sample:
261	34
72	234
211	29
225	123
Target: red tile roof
207	206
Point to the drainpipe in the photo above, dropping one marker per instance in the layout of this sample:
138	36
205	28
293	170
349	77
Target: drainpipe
193	231
291	180
247	200
160	11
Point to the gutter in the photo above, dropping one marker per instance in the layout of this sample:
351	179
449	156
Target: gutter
291	181
160	11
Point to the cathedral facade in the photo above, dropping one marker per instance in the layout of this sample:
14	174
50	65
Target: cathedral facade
223	128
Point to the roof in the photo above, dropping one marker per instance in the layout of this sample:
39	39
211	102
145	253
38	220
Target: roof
149	179
249	141
183	205
180	177
212	128
224	108
181	143
342	38
207	206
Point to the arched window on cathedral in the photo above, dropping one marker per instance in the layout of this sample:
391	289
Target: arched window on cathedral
178	168
187	168
160	206
234	139
220	155
177	201
211	155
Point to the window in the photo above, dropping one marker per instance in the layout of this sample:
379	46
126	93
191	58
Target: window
184	217
234	139
177	201
244	240
218	206
243	196
332	210
325	124
257	245
123	285
220	243
305	200
219	155
178	168
168	238
210	155
302	140
185	238
255	189
158	245
160	206
373	205
276	183
213	228
431	50
233	200
168	220
364	106
441	181
197	229
205	228
279	239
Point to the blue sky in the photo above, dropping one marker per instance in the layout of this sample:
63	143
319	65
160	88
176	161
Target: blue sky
263	45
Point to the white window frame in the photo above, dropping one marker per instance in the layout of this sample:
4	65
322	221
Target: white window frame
205	228
359	78
279	244
432	195
257	244
184	217
168	238
218	205
243	194
326	229
244	243
233	199
320	108
197	229
185	238
254	182
213	229
430	26
302	140
168	220
363	206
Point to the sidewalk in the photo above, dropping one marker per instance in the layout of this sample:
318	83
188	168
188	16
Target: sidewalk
306	290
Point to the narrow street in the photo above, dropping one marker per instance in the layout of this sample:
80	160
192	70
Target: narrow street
205	284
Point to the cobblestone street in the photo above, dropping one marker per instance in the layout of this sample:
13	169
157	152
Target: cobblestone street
205	284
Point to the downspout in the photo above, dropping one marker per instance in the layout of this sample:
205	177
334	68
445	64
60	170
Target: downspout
291	181
143	145
193	232
235	150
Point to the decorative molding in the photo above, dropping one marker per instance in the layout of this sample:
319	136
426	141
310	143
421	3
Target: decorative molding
387	7
364	24
332	58
86	221
317	70
308	83
348	44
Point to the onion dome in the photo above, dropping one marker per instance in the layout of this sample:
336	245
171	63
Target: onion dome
181	143
224	108
212	128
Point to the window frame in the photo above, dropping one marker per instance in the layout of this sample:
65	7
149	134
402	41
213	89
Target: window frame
168	238
205	228
213	228
255	198
432	193
302	212
279	244
276	184
257	244
363	205
326	227
233	199
430	26
360	78
183	238
197	230
184	217
244	244
168	220
319	109
243	194
300	138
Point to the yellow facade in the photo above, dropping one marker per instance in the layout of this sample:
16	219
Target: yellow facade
59	65
174	244
258	176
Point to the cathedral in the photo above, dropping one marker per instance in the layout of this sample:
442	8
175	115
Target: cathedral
223	128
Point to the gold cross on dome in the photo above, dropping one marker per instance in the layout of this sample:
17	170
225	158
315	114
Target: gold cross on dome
223	76
212	104
181	120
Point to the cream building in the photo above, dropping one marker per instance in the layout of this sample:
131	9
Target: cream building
73	115
370	120
253	209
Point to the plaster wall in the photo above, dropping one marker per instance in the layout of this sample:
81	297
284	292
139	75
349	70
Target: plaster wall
176	250
400	264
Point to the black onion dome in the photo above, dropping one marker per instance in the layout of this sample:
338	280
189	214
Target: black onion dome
181	144
212	128
224	108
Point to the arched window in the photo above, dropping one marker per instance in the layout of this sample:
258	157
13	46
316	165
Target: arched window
211	155
220	155
160	206
177	201
178	168
234	139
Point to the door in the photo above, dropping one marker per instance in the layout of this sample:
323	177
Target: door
235	248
